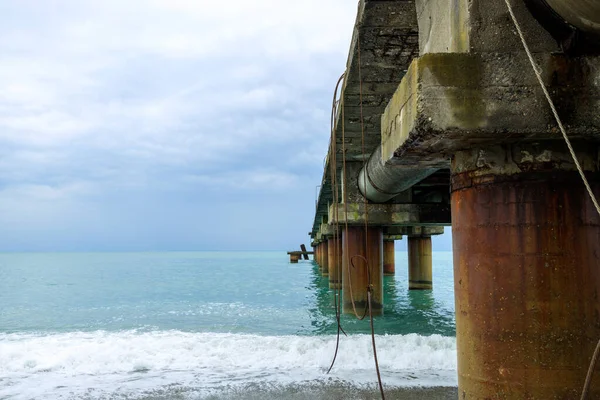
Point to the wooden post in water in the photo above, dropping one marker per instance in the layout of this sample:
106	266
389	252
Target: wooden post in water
305	253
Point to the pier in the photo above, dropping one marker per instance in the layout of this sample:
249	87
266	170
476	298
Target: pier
295	256
441	120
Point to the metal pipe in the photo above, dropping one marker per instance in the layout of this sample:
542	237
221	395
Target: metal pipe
380	182
583	14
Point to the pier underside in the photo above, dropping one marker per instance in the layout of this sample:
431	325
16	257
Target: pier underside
454	127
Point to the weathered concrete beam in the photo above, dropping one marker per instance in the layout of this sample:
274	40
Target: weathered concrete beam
391	214
414	230
478	26
326	231
391	238
450	102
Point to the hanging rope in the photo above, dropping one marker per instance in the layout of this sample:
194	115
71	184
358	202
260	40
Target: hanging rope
350	260
333	170
366	205
538	74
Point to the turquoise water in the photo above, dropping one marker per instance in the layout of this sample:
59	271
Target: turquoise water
131	325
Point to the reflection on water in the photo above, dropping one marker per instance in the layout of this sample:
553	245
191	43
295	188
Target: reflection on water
406	311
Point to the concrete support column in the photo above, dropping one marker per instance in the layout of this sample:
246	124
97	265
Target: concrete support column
318	255
334	248
359	246
324	258
420	276
526	241
389	257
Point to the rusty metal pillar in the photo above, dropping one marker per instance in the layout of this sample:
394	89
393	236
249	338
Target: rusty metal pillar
321	257
360	245
389	256
324	258
420	276
334	249
526	241
318	255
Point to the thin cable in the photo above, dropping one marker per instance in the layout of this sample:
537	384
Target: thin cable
333	167
362	143
345	255
360	318
371	323
538	74
590	373
370	283
375	346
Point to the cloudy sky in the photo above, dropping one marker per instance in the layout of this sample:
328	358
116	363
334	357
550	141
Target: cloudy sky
165	124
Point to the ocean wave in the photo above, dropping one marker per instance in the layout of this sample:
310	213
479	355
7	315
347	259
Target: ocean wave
145	360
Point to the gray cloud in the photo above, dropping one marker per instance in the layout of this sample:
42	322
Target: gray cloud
164	124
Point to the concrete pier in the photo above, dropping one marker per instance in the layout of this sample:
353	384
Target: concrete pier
443	114
420	263
362	265
389	256
335	263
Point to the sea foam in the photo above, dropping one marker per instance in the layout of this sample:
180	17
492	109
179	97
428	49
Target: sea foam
66	365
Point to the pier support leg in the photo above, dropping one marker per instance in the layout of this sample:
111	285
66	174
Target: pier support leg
334	249
526	277
359	246
318	258
325	258
389	257
420	276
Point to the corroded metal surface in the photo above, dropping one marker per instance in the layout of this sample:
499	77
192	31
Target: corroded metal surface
324	258
334	249
359	245
389	257
318	255
420	276
526	250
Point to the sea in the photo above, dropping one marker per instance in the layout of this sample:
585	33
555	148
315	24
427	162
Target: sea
213	325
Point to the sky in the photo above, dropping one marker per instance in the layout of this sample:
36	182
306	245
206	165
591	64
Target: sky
156	125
